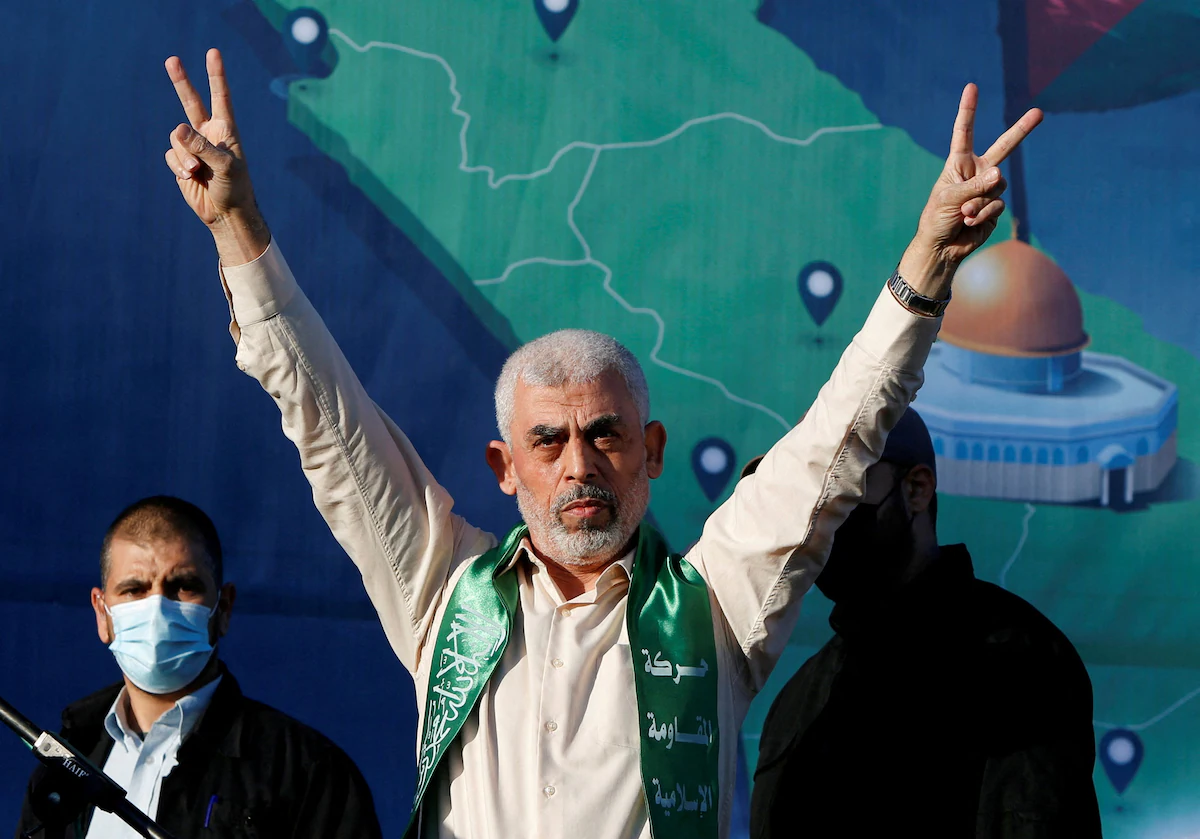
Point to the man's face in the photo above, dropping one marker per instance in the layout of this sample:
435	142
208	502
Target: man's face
580	465
171	568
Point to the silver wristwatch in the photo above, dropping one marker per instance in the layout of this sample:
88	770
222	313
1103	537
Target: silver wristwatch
914	302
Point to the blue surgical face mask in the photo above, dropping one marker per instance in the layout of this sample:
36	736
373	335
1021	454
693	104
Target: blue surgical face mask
161	645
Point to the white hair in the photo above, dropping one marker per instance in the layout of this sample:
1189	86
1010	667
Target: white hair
568	356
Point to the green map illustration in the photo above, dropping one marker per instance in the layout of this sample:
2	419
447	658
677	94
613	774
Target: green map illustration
663	177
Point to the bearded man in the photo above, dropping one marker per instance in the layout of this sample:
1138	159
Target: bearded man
574	678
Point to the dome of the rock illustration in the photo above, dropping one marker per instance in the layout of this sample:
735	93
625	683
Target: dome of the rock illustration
1019	409
1011	299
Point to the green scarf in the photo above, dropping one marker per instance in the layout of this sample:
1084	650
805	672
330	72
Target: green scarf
675	677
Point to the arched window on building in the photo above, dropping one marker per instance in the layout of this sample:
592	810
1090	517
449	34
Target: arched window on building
1043	455
977	451
939	446
994	454
1026	454
1060	457
960	450
1081	454
1010	454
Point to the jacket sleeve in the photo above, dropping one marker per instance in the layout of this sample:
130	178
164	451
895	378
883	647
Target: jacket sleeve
382	504
337	802
1037	778
1042	791
762	549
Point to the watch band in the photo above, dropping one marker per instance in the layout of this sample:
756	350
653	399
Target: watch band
915	303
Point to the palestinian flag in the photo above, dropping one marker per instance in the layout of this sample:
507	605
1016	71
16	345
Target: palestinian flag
1097	55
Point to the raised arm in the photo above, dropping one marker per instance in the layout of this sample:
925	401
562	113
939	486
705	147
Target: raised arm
762	549
380	501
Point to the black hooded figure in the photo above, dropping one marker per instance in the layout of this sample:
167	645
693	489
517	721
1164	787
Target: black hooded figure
943	706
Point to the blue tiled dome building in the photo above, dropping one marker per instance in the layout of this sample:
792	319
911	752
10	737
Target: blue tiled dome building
1018	409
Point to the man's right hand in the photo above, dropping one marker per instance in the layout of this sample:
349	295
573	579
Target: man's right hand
210	166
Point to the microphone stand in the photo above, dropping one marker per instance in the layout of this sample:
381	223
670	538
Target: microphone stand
74	780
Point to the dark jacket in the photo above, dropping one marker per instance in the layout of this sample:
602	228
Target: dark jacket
264	774
955	709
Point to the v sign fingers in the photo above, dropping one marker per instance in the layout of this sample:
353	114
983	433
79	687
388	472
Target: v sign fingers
210	167
218	126
965	202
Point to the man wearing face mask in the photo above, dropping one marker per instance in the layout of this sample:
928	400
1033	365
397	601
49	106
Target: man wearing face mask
177	734
943	703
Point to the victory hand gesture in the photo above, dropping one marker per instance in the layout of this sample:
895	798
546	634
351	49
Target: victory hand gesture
965	204
209	164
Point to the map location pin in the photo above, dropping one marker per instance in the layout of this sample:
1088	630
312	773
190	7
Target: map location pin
1120	754
712	461
555	15
306	33
820	289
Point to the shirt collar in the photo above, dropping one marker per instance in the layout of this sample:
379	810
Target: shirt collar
624	564
183	715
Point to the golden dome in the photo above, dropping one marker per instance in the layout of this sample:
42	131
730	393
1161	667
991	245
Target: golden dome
1011	299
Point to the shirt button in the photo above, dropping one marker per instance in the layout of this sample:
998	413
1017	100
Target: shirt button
552	726
150	760
556	663
548	791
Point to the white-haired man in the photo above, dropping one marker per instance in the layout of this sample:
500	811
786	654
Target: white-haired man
574	679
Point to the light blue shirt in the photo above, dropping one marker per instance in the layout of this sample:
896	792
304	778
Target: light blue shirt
139	764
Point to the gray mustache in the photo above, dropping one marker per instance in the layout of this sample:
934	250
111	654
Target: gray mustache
579	492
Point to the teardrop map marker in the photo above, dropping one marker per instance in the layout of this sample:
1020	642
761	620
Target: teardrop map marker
712	461
820	289
1120	754
555	15
306	33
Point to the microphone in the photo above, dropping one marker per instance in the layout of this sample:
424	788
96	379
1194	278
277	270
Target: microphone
72	782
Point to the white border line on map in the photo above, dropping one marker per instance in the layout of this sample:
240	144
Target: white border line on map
496	183
1157	718
1003	578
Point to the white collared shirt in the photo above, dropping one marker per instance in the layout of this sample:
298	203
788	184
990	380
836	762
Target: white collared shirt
139	764
553	746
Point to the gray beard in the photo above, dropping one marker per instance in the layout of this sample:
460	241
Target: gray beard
589	545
